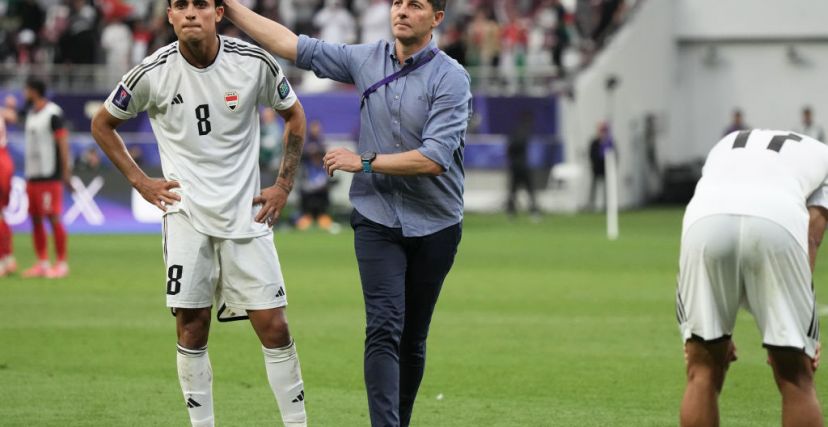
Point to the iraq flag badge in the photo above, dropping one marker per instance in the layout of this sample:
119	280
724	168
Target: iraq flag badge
231	100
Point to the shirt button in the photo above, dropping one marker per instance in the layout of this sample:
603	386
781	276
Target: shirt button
396	97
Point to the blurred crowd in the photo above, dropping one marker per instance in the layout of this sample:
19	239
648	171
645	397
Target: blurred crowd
499	37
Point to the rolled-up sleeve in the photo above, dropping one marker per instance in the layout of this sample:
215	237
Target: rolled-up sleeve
819	197
448	118
327	61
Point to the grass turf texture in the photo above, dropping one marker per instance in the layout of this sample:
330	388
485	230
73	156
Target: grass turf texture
538	325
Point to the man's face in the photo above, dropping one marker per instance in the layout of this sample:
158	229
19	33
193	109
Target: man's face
413	19
194	20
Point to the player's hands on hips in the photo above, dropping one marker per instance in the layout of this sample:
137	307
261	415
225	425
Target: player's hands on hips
341	159
157	191
272	199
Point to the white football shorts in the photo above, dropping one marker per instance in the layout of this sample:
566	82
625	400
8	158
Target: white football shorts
732	260
243	273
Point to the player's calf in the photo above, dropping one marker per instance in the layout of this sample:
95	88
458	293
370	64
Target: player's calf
793	371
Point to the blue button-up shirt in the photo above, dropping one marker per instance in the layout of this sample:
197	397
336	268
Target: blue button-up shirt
428	110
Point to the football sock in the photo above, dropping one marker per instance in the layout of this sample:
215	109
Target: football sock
39	236
60	240
196	378
285	378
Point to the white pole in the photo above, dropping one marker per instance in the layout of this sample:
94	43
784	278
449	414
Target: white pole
611	192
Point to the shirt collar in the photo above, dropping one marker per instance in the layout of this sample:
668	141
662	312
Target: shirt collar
416	57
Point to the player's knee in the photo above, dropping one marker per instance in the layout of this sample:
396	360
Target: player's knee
193	327
791	367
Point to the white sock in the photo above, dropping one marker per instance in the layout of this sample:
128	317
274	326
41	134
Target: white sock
196	378
285	378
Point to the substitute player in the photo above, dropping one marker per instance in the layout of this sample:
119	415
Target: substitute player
750	235
8	114
202	94
47	170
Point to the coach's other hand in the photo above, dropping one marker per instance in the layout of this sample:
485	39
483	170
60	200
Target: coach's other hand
157	191
341	159
272	199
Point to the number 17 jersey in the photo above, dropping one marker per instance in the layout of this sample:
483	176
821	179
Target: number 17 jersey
206	123
771	174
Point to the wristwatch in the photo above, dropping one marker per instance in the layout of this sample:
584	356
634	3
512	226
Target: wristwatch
368	157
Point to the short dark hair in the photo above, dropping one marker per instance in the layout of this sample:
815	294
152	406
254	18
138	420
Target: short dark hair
438	5
36	85
218	3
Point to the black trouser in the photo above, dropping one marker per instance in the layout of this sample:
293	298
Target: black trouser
401	280
521	177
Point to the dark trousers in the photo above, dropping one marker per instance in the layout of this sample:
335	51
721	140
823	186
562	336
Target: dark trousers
520	177
401	280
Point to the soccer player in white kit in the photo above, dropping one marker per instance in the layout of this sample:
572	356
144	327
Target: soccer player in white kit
750	237
202	95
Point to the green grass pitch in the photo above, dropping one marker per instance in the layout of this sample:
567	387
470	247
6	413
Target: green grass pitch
541	324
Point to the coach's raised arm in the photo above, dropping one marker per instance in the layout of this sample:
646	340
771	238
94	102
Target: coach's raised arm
272	35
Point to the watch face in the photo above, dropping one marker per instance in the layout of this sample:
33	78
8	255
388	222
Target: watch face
368	156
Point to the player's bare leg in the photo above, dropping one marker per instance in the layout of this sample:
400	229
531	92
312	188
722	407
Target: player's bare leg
281	363
61	267
707	364
194	371
41	266
794	375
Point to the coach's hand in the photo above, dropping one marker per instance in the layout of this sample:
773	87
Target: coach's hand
272	199
341	159
157	191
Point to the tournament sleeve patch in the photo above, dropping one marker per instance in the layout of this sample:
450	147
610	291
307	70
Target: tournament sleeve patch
121	98
283	88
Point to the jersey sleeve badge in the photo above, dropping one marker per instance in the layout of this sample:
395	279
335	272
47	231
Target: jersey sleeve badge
121	98
231	100
283	88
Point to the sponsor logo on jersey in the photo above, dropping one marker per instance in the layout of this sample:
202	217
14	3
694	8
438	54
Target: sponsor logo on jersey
283	88
121	98
231	99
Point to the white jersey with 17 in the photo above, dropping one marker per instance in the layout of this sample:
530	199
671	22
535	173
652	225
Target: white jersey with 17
207	126
771	174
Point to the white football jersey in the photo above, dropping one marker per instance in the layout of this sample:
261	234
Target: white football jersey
206	122
771	174
41	152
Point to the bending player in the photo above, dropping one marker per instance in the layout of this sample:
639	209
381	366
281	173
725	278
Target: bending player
750	234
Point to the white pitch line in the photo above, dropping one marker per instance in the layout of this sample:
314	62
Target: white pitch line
822	310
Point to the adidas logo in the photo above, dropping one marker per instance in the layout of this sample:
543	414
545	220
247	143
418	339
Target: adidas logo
280	292
192	403
177	99
300	397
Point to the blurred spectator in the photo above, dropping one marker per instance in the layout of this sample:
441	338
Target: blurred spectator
314	186
304	11
89	160
77	45
376	22
483	43
736	122
601	143
519	173
808	126
270	148
141	40
452	43
609	11
560	35
513	53
336	24
116	42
